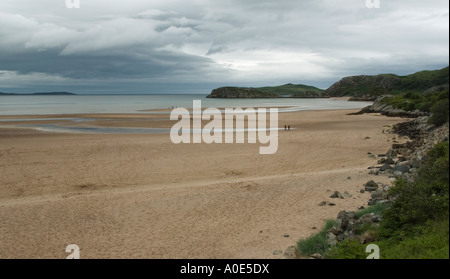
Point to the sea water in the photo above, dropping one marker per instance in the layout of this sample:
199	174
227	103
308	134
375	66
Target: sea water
87	104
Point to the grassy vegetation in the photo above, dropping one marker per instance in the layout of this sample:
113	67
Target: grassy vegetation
390	84
291	89
436	103
421	81
316	243
414	226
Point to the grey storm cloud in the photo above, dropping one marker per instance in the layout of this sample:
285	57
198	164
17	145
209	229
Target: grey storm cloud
150	46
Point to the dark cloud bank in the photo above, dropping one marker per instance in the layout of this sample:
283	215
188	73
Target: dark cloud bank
154	47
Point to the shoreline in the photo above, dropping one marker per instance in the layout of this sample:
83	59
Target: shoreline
141	196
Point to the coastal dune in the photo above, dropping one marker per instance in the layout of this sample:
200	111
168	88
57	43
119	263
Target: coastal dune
142	196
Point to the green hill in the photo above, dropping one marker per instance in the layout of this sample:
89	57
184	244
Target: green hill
370	87
283	91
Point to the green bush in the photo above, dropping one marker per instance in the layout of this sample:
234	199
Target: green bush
427	198
348	250
439	113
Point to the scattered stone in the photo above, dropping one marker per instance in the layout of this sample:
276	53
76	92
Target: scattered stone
376	219
291	253
368	237
331	204
349	178
362	191
286	235
374	171
361	207
367	138
366	218
336	195
371	186
381	155
323	203
316	256
277	252
331	239
385	167
379	195
403	167
314	228
346	195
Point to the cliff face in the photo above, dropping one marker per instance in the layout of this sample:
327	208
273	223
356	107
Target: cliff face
239	92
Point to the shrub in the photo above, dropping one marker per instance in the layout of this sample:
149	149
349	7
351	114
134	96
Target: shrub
439	113
427	198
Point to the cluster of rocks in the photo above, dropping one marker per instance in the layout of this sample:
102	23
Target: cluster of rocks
403	160
379	192
348	225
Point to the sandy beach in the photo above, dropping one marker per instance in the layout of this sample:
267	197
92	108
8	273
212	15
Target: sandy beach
142	196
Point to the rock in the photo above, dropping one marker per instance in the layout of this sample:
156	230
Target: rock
286	235
336	195
349	178
389	161
323	203
346	195
379	195
291	253
367	237
376	219
385	167
337	228
361	207
402	168
371	186
316	256
277	252
331	239
362	191
374	171
331	204
366	219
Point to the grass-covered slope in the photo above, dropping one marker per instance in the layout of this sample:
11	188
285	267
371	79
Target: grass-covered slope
370	87
283	91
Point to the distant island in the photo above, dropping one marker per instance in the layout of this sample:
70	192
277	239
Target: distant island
40	93
284	91
358	88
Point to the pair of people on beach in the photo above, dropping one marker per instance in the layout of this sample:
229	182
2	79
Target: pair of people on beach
288	127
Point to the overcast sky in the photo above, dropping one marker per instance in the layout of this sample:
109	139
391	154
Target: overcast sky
194	46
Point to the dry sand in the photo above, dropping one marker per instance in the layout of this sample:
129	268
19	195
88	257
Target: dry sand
141	196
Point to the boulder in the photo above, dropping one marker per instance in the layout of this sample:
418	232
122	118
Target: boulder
291	253
336	195
371	186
